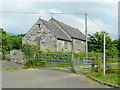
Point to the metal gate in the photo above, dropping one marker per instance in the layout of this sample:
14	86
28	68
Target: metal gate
85	64
53	60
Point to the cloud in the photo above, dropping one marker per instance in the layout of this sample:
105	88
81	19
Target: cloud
54	11
94	25
15	6
59	1
104	14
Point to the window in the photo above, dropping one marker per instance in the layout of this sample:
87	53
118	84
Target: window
38	26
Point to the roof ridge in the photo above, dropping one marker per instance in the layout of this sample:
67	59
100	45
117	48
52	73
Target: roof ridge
63	23
55	30
74	32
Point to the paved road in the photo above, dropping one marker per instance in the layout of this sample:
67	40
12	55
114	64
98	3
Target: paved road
45	79
7	64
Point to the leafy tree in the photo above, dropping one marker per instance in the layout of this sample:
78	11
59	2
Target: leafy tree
16	42
22	35
117	45
6	43
96	43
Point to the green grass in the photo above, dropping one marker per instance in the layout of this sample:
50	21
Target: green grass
12	68
109	78
112	61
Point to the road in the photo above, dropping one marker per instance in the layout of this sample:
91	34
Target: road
7	64
45	79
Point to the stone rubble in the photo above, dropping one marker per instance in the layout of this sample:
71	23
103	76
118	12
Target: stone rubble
17	56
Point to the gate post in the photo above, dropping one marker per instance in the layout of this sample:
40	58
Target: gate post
34	55
99	64
78	65
93	64
72	63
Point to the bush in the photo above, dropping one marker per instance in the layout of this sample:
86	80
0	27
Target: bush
80	54
95	54
30	63
29	50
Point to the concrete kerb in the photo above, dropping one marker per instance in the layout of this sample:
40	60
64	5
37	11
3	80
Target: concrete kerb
105	83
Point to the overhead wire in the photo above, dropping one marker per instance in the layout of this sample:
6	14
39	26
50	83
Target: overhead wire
37	12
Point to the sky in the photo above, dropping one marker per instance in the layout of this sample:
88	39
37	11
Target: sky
102	16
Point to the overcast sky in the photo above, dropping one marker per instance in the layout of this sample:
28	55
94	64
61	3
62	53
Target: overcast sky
105	14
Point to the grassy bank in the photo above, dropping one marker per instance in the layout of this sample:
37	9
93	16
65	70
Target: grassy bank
109	78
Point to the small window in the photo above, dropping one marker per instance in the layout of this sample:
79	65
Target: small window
38	26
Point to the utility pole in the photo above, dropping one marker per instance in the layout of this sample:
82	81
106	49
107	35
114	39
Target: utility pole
86	34
104	54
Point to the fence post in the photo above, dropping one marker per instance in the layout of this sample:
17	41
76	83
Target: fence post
34	55
93	64
72	63
78	65
99	64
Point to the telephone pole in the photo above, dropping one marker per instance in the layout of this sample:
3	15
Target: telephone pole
86	34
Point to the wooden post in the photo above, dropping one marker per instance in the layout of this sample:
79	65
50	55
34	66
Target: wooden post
78	65
34	55
99	64
72	63
93	64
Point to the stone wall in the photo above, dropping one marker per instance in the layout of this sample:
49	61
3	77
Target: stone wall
42	37
78	45
63	46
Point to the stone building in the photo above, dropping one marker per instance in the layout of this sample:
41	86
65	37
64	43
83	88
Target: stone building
54	35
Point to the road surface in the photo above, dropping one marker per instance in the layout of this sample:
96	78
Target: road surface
44	78
7	64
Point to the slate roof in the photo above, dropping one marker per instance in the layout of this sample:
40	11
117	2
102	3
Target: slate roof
55	30
73	32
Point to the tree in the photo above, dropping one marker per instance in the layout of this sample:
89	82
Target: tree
96	43
16	42
117	45
5	42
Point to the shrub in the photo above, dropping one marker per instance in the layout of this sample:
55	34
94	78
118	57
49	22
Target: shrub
80	54
29	50
30	63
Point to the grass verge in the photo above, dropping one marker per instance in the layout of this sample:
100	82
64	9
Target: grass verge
12	68
109	78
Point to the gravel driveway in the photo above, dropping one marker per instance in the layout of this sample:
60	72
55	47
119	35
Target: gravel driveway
45	79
